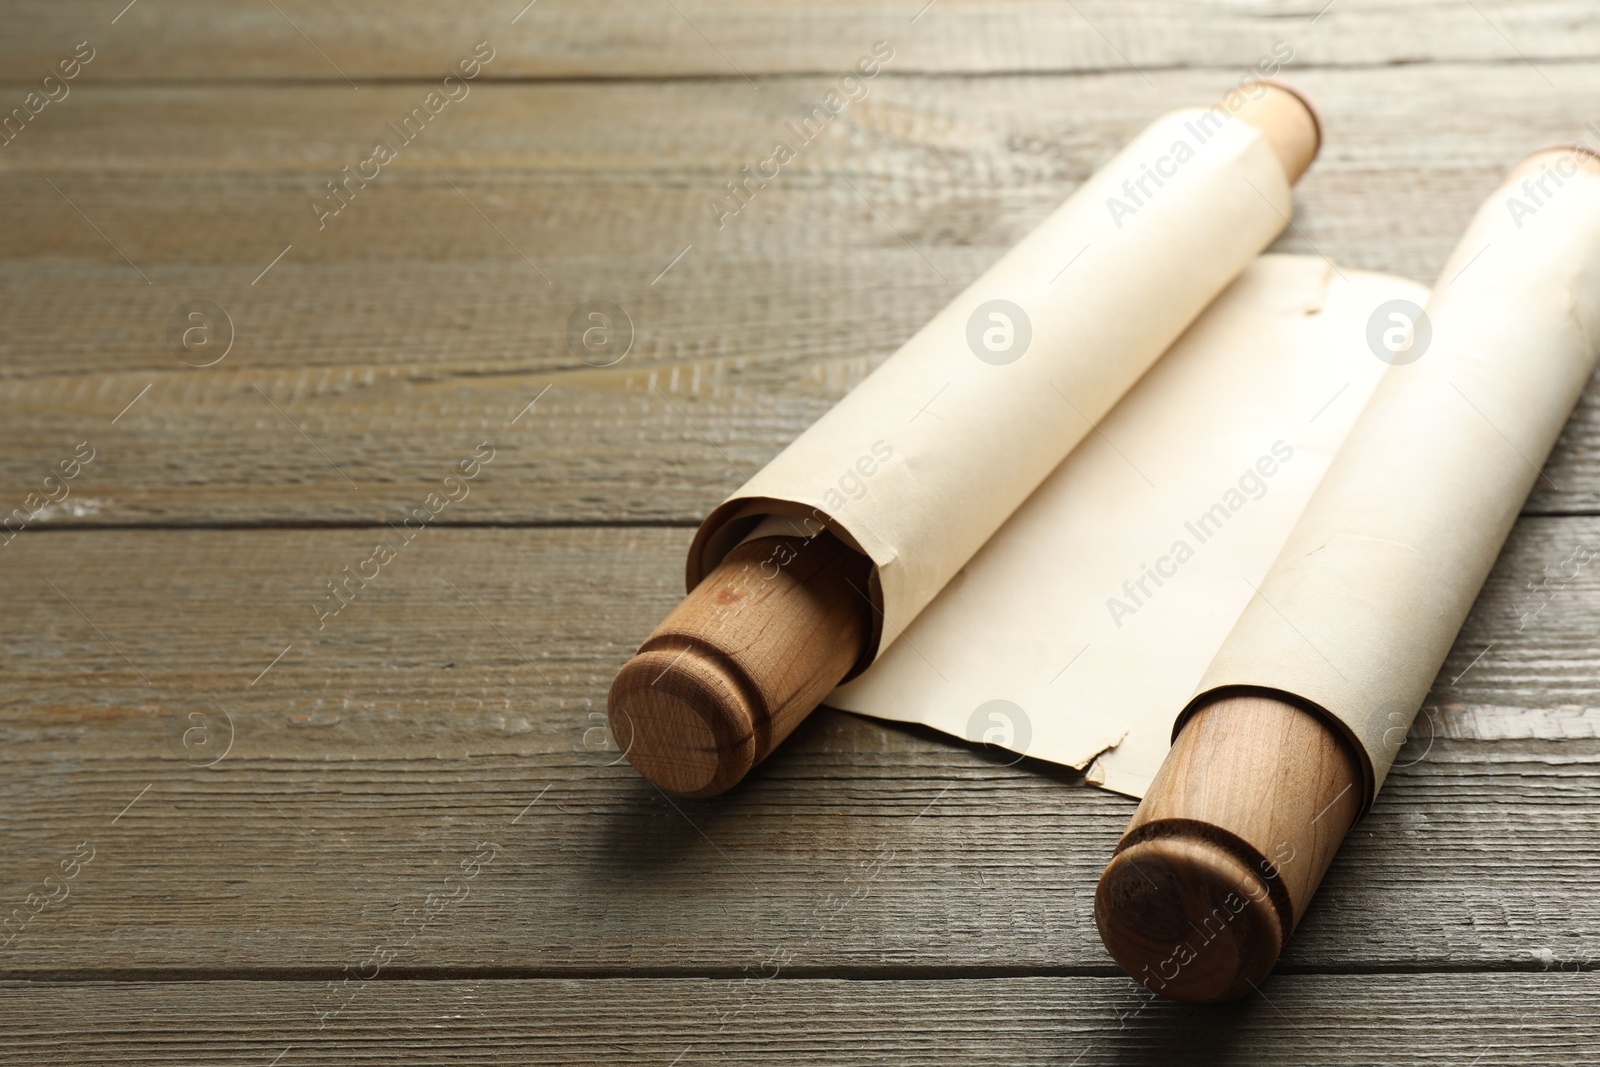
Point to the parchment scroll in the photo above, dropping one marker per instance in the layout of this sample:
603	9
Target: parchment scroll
954	431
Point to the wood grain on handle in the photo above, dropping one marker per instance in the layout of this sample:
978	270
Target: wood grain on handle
746	656
1227	847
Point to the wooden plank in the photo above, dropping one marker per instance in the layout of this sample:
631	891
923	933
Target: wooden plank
458	700
1301	1019
191	39
409	329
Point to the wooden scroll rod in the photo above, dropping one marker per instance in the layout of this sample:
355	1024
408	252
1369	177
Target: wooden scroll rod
757	645
1227	847
742	661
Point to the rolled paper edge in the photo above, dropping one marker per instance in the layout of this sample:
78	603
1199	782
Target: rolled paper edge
1590	159
1310	113
1311	110
1369	784
734	519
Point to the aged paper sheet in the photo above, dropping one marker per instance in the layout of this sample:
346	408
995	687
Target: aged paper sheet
1085	624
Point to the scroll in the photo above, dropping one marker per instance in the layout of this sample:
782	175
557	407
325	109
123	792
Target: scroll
1146	502
908	477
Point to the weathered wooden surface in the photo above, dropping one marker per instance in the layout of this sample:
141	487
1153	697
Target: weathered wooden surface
918	903
303	39
1302	1019
468	683
409	329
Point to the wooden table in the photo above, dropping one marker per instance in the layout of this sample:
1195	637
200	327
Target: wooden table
242	828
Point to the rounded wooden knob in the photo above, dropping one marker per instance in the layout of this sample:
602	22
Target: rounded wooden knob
1227	847
741	662
1287	119
1188	918
683	722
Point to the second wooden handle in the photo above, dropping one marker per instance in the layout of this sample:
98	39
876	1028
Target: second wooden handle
1227	847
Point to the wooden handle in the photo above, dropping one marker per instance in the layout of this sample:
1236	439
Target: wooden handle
742	661
1225	851
1285	117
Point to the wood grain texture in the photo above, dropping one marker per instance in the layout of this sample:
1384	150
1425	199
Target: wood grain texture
409	328
421	784
1227	847
378	753
1302	1019
742	660
191	39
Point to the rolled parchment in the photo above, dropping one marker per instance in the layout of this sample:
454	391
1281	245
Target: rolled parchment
901	483
1361	606
921	463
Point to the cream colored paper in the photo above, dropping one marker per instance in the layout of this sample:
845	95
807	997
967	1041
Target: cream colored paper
1361	607
1023	648
921	463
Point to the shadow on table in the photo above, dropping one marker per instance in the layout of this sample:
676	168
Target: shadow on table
1149	1029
